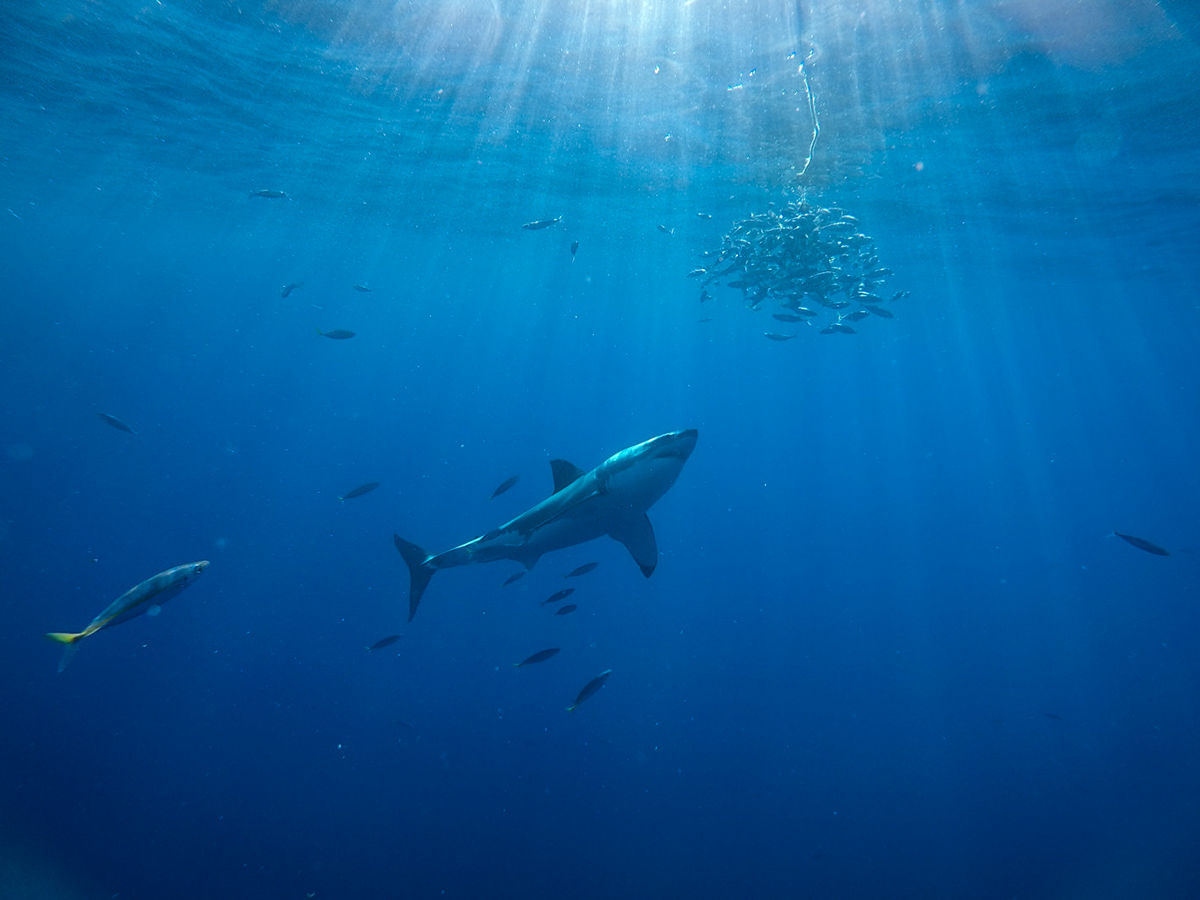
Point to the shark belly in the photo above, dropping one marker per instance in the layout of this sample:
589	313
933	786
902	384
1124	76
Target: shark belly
591	519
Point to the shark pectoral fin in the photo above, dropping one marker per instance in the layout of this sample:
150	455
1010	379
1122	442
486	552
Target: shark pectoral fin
637	534
565	473
418	572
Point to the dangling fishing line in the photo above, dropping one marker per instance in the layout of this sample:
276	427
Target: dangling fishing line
812	111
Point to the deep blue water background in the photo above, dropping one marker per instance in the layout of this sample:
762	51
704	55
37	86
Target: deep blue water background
889	650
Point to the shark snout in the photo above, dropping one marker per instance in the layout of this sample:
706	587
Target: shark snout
679	443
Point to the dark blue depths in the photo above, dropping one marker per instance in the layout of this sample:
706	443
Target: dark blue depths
890	648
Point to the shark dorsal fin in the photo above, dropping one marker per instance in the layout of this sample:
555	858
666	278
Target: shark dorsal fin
564	473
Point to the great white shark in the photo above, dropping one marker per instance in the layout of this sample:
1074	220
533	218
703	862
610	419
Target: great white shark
611	499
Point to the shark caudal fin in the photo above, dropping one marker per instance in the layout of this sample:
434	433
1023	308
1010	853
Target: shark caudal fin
70	640
418	572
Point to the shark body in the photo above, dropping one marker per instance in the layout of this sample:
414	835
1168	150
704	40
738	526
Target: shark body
611	499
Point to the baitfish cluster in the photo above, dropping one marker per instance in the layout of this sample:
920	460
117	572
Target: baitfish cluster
813	263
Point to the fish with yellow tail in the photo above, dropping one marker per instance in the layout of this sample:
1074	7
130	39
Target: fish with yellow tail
146	597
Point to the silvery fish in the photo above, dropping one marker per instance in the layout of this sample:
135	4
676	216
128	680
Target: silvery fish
146	597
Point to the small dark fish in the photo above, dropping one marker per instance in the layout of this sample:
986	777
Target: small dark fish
1055	716
665	230
115	423
696	273
504	486
385	642
737	285
574	249
704	295
590	688
881	312
567	610
360	490
787	317
338	334
542	223
582	570
880	273
288	288
899	295
837	328
540	656
857	315
705	319
560	595
1142	544
511	578
774	336
270	195
361	288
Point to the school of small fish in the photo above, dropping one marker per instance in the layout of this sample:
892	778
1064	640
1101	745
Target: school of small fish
813	263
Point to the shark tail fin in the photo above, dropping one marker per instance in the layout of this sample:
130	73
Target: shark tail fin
70	640
418	572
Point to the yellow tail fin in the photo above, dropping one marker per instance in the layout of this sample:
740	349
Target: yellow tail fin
63	637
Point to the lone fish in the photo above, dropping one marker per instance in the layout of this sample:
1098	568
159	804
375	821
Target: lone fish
513	577
540	656
506	484
145	597
559	595
590	688
567	610
582	570
539	224
574	249
360	490
385	642
270	195
1142	544
288	288
115	423
338	334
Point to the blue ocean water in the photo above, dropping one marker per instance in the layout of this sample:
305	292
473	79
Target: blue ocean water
890	648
